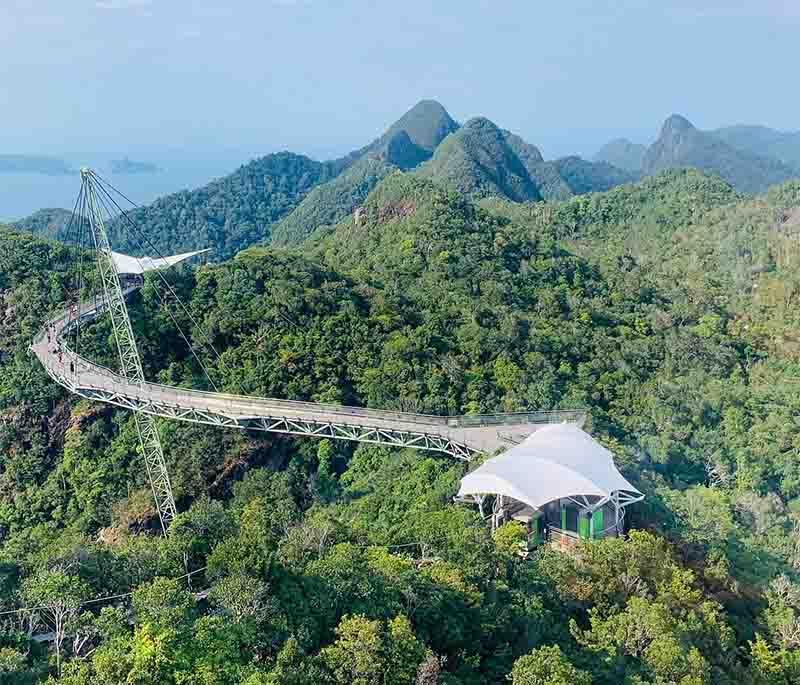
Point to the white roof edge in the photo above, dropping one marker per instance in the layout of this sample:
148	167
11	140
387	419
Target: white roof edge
554	462
126	264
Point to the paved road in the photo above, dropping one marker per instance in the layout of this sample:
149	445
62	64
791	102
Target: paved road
79	375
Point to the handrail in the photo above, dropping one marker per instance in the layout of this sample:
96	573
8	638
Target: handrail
245	402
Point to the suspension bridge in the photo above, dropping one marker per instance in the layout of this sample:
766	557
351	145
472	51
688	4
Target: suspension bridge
461	437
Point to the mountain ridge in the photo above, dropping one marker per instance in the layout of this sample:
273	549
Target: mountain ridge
763	141
680	144
407	143
477	160
425	126
287	197
623	154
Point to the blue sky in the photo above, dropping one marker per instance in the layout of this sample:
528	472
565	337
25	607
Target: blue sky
323	77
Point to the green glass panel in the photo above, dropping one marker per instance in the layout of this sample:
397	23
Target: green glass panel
583	526
597	523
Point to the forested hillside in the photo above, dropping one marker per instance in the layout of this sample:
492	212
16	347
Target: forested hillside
582	176
330	202
667	308
682	145
764	142
623	154
407	143
411	139
227	214
286	197
482	161
478	161
47	223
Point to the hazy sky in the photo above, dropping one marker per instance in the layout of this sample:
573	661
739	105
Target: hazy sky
325	76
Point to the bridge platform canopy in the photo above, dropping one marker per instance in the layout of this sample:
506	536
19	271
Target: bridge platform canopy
559	481
136	266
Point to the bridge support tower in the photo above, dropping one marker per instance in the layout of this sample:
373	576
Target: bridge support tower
130	361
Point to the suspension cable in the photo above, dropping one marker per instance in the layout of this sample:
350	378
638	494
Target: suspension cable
166	307
95	600
101	185
155	250
66	238
81	239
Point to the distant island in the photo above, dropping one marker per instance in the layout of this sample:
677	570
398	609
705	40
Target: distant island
33	164
128	166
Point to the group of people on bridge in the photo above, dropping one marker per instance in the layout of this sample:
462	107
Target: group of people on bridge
56	346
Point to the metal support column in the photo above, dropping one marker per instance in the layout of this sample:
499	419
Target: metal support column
130	362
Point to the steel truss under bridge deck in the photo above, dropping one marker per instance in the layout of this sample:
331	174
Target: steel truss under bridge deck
461	437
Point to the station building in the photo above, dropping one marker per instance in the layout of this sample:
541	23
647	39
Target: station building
559	482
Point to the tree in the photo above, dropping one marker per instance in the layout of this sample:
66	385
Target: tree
782	615
356	657
404	652
196	531
773	666
508	538
14	668
293	667
57	597
547	666
75	673
241	597
368	653
154	655
162	604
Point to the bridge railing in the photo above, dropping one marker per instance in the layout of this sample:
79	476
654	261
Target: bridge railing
242	404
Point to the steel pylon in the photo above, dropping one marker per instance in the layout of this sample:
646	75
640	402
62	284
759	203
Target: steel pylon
130	362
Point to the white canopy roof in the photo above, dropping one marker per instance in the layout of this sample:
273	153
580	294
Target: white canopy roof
556	461
138	265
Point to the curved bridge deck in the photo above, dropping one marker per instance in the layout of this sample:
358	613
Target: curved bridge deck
459	436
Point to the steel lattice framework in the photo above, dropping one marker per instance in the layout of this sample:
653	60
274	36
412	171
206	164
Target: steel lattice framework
459	437
130	362
289	425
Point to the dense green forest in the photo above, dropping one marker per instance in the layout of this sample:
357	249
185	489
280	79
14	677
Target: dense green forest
667	308
289	194
330	202
236	210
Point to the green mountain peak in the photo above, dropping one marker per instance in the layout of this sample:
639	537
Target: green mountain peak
478	160
682	145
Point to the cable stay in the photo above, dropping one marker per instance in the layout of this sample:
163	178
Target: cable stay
130	362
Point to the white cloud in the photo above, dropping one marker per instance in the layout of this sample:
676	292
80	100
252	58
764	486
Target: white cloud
769	9
121	4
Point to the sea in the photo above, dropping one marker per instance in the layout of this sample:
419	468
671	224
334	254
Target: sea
21	194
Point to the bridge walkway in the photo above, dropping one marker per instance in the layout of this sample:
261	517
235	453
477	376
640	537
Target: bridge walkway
459	436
